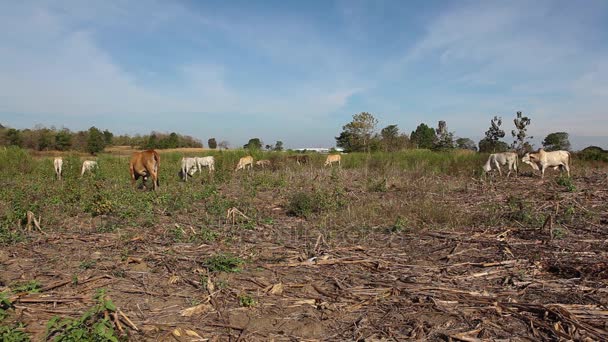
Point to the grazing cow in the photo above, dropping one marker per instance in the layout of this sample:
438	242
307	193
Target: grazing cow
499	159
542	160
300	160
144	164
333	158
88	165
245	162
189	167
205	161
264	163
58	164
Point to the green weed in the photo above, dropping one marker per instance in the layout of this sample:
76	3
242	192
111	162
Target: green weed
224	263
247	301
91	326
13	334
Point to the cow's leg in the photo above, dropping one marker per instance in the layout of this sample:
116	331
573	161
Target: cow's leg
567	169
497	165
542	171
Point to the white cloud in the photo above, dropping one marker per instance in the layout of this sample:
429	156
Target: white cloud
51	63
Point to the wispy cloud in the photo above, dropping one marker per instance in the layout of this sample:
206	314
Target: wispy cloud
301	71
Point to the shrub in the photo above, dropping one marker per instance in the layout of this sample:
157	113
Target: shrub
224	263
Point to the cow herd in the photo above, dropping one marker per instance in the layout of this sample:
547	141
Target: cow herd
144	164
540	160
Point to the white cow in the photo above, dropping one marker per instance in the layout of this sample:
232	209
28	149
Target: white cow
205	162
189	167
88	165
58	164
542	160
499	159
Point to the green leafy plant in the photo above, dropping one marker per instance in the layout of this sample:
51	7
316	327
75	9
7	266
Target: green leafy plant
566	182
5	304
247	301
32	286
13	334
93	325
224	263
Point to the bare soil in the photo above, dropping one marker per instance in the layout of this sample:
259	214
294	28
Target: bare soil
505	277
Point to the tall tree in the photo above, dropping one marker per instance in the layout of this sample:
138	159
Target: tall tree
95	141
212	143
521	143
557	141
14	137
444	138
254	144
357	134
466	144
391	140
107	137
423	137
278	146
63	140
491	143
45	139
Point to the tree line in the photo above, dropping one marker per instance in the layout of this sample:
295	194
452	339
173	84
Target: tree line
93	140
361	135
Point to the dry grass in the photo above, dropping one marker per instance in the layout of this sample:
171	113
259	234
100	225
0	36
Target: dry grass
405	246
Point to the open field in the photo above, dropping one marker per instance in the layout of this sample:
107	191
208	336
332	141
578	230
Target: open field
412	245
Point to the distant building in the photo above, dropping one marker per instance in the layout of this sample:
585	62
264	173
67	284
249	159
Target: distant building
319	149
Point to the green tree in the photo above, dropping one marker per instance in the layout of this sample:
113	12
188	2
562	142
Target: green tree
423	137
152	141
172	141
444	138
391	140
63	140
556	141
491	143
45	139
107	137
14	137
357	134
253	144
489	146
95	141
212	143
521	143
466	144
278	146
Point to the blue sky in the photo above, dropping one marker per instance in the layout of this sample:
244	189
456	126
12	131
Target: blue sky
297	71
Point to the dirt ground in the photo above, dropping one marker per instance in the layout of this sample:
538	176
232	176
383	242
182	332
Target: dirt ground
509	279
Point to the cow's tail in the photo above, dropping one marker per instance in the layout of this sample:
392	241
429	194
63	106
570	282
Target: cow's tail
156	167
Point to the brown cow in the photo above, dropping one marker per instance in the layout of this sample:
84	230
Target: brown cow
300	160
144	164
245	162
264	163
333	158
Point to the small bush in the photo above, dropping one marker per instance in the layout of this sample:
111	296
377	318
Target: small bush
247	301
5	305
13	334
32	286
91	326
224	263
566	182
377	186
304	204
